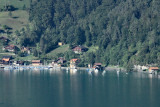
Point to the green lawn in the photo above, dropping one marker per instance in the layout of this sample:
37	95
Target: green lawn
16	3
20	20
61	49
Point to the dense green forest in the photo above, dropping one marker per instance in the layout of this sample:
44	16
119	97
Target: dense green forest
127	32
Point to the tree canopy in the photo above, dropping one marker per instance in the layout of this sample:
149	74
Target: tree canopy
126	31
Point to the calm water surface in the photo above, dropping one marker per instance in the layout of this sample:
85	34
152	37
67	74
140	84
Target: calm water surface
78	89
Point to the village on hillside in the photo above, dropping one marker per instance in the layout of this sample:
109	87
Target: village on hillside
11	60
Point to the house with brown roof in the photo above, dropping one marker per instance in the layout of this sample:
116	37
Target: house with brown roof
36	62
61	60
79	49
25	49
97	66
153	69
10	48
6	60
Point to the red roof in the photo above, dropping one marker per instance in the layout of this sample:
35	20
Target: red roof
153	68
97	63
6	59
10	47
74	60
36	61
79	48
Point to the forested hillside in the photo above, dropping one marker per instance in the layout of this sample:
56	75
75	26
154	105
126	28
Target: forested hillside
126	31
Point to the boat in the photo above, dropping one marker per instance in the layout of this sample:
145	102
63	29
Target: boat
96	70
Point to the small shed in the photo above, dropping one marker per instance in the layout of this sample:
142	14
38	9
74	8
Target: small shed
60	43
6	60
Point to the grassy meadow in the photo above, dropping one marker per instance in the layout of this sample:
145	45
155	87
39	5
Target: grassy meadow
18	20
61	49
16	3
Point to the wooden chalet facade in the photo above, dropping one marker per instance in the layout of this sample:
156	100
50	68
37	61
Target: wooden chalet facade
36	62
10	48
79	49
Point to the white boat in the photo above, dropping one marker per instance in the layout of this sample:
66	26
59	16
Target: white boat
96	70
75	69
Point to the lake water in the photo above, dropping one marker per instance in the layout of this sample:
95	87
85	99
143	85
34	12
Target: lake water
78	89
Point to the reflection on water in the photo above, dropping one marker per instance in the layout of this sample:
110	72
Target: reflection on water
55	88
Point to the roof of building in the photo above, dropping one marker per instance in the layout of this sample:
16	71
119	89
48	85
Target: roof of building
10	47
153	68
61	58
79	47
97	63
74	60
6	59
36	61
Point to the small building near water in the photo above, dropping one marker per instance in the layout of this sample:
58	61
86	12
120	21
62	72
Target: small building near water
73	63
36	62
97	66
6	60
153	69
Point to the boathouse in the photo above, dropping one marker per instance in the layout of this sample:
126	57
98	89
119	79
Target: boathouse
153	69
6	60
97	66
36	62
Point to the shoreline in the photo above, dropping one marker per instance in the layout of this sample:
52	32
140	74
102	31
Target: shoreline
110	68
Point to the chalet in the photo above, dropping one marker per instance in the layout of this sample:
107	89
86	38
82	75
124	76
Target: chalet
153	69
10	48
61	60
79	49
6	60
97	66
25	49
36	62
60	43
73	63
